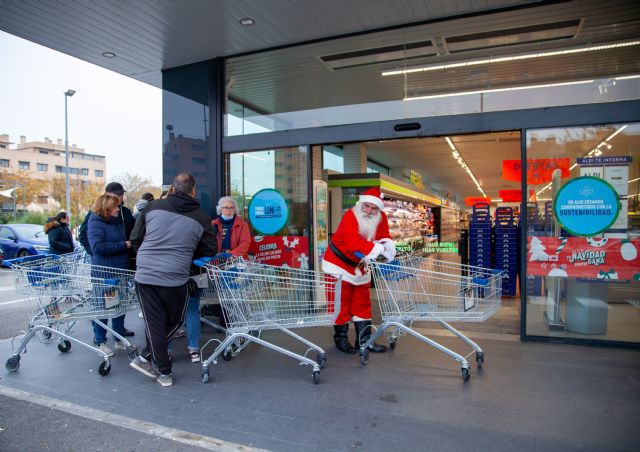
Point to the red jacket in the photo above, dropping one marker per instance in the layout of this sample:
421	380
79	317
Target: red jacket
348	240
240	236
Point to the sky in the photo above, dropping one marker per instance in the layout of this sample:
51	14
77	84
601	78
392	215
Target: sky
110	114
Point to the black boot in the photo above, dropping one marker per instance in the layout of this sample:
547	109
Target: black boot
363	333
341	338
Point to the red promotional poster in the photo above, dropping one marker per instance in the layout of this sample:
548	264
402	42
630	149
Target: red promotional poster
289	250
476	200
539	171
584	257
513	195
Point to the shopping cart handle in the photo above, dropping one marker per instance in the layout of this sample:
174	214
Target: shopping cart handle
35	257
201	262
359	255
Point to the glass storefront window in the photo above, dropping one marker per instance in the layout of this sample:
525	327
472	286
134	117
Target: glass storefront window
583	233
271	188
185	117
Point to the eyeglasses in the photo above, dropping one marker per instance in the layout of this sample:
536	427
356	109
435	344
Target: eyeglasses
227	208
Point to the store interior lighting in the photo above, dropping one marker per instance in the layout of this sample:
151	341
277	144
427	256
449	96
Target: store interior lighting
458	158
611	81
509	58
595	152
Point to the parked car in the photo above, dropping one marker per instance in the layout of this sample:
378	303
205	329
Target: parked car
19	240
1	255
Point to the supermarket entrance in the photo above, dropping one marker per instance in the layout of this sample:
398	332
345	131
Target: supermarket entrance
442	195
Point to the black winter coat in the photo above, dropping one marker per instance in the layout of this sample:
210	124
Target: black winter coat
60	239
125	220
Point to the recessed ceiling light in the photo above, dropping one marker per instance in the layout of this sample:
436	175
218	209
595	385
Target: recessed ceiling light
108	54
247	21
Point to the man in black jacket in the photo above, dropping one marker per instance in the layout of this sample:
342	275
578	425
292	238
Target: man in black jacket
168	235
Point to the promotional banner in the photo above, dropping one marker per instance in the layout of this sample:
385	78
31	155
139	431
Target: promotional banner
281	250
584	257
515	195
320	220
477	200
268	211
539	171
586	206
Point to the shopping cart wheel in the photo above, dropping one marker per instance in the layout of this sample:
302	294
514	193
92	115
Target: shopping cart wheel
13	363
321	359
479	360
64	346
204	376
105	368
364	357
392	344
46	335
132	353
316	377
465	374
227	355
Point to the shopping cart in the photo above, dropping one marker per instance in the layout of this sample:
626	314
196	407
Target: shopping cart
257	297
59	291
416	289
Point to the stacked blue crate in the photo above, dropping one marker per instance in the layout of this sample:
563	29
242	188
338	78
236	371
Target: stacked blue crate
506	248
480	236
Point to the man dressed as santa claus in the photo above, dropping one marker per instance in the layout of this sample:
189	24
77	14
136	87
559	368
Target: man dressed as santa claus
363	229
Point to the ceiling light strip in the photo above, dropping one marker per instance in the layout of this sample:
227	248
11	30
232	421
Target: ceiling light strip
499	90
524	56
458	158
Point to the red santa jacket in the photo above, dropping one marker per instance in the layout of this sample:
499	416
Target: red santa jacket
348	240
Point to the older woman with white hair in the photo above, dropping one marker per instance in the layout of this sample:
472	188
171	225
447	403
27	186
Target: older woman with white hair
233	236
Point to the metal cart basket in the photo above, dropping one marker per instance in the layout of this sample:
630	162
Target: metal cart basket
414	288
258	297
59	291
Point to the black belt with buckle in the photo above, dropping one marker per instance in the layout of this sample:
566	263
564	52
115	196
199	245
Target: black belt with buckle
342	257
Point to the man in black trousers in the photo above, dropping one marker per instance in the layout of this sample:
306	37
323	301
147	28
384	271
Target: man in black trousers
167	236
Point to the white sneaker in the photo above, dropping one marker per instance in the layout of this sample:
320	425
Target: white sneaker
120	345
141	315
105	349
195	356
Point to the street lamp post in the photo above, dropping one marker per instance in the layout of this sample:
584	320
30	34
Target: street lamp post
67	94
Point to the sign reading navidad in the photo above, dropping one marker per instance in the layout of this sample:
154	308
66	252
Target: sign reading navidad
586	206
584	257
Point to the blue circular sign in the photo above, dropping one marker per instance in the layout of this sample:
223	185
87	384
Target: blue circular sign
586	206
268	211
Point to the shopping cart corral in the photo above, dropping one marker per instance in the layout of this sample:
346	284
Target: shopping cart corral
256	298
416	289
61	290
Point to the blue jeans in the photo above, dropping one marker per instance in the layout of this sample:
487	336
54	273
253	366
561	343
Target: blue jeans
100	334
192	322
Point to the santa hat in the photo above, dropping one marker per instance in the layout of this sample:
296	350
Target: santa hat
372	196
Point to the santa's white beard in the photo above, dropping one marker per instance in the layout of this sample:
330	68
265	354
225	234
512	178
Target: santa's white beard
367	225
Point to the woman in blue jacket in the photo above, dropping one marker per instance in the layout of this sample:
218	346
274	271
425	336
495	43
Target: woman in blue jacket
59	234
110	249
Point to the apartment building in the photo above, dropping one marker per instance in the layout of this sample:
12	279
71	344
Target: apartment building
46	160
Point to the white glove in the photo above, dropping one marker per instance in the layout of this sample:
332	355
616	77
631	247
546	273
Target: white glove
389	252
375	252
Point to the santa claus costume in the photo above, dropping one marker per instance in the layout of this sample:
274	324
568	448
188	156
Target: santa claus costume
363	229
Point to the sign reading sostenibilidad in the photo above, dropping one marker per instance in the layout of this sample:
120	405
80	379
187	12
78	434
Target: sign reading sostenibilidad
268	211
586	206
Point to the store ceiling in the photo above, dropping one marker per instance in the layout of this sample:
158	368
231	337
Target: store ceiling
279	81
148	36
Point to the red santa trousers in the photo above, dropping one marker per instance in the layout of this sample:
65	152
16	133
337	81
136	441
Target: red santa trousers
355	301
